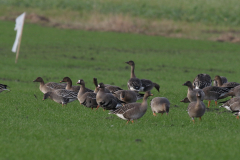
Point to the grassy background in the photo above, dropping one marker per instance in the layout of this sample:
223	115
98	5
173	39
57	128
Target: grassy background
36	129
206	11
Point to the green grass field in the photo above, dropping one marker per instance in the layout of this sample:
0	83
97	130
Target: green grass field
36	129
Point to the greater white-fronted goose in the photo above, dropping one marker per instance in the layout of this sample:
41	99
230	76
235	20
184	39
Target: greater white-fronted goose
197	108
201	81
139	85
50	86
106	100
214	93
88	99
128	96
224	80
3	87
160	105
218	79
95	82
132	111
191	95
233	105
61	96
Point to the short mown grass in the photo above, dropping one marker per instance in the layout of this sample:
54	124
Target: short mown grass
36	129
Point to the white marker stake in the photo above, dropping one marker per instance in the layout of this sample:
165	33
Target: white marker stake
19	29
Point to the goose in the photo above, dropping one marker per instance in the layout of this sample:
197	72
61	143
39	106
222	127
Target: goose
220	83
191	95
50	86
185	100
88	99
61	96
139	85
132	111
69	85
215	93
95	82
3	87
128	96
160	105
106	100
196	108
233	105
233	92
201	81
224	80
112	88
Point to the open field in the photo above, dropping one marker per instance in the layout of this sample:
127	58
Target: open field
200	19
36	129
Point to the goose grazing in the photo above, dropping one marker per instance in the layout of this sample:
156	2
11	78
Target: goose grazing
224	80
196	108
106	100
215	93
220	83
191	95
3	87
160	105
138	85
128	96
50	86
201	81
132	111
233	92
88	99
61	96
96	86
233	105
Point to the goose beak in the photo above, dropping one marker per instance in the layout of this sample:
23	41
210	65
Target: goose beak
151	94
127	62
61	81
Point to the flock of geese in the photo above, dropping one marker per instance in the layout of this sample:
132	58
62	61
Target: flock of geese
123	102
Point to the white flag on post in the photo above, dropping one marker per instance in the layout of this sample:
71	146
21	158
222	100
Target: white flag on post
18	28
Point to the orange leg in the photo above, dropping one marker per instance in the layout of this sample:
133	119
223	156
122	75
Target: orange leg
200	118
209	103
127	121
92	108
154	114
162	113
132	121
237	117
167	113
193	120
215	102
97	107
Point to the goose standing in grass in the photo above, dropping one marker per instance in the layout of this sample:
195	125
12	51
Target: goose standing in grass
61	96
233	105
128	96
3	87
215	93
88	99
106	100
220	83
196	109
95	82
50	86
201	81
224	80
191	95
139	85
160	105
132	111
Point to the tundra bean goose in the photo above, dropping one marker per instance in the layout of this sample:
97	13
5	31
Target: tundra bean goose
160	105
220	83
191	95
61	96
196	108
132	111
88	99
138	85
50	86
201	81
72	88
233	105
95	82
106	100
214	93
